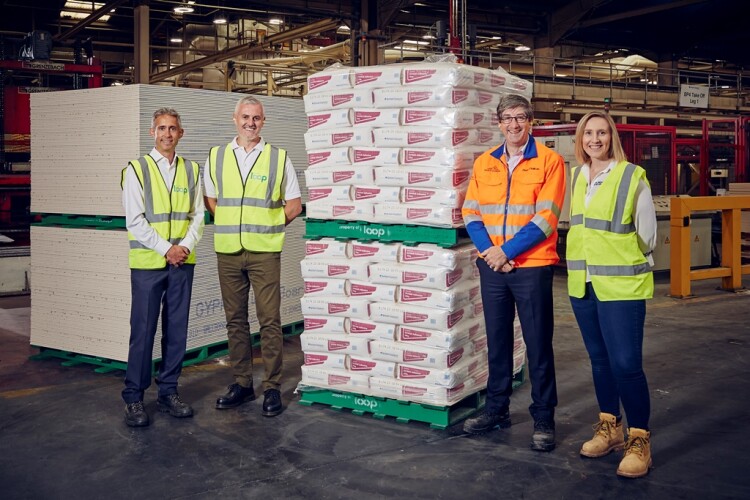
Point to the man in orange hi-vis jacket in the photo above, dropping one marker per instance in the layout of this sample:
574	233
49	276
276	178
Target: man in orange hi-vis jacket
511	210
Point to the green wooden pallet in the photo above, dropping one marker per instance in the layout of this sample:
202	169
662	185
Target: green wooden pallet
365	231
439	417
192	356
72	220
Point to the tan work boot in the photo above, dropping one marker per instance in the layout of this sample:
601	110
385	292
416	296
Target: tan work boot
608	436
637	458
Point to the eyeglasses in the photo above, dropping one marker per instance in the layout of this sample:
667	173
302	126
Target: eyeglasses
519	119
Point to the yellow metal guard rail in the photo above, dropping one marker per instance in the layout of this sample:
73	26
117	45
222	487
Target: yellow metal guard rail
731	269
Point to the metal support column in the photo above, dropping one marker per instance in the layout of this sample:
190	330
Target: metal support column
141	54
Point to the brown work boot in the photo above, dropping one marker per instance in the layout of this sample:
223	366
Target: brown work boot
637	458
608	436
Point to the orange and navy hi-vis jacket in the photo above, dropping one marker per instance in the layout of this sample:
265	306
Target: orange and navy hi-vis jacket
517	211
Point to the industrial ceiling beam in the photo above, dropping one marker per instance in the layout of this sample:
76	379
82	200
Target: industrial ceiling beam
248	48
566	17
636	13
80	26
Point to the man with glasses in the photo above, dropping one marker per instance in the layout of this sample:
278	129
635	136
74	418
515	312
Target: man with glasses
511	211
252	191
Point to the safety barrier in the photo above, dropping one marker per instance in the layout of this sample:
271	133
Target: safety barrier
731	269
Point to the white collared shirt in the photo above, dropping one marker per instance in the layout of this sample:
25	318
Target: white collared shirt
246	160
644	216
514	160
134	205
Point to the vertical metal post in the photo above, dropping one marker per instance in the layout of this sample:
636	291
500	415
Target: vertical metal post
141	52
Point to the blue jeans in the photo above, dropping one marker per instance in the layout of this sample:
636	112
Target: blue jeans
613	334
530	290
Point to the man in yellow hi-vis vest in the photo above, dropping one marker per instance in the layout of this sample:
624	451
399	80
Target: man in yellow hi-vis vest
164	213
252	190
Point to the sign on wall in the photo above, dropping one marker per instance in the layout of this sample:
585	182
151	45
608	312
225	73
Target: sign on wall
694	96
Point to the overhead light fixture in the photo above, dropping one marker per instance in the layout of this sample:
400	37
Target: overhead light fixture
275	21
175	39
184	8
82	9
344	27
220	18
522	48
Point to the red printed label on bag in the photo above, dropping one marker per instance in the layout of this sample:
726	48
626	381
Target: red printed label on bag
478	78
478	117
364	250
414	356
411	335
415	75
315	359
343	137
484	97
317	81
338	379
362	193
415	115
455	317
342	210
343	175
412	254
365	116
459	96
417	137
335	270
359	290
315	286
412	195
340	99
360	327
337	345
318	193
411	156
417	177
361	365
460	177
361	155
315	120
417	213
412	317
413	97
496	80
414	295
485	136
337	308
453	276
411	276
413	391
314	323
315	248
460	136
455	356
367	77
315	158
410	372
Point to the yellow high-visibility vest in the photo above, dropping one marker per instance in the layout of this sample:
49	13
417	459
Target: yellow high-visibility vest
602	242
249	215
166	211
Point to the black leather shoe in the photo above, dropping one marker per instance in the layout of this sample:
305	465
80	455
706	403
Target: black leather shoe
486	421
235	397
272	403
135	415
543	438
173	405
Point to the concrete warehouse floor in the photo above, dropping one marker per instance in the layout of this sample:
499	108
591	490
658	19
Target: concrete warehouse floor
62	433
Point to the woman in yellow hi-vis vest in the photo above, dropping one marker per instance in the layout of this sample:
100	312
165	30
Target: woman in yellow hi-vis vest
612	234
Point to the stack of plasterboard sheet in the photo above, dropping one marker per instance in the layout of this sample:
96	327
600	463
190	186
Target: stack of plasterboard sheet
82	139
742	189
81	291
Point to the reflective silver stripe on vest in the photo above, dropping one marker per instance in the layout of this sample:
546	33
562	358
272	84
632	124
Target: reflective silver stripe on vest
135	244
575	265
577	218
250	228
243	201
148	195
515	209
542	224
613	226
177	216
619	270
548	205
471	204
472	218
191	180
498	230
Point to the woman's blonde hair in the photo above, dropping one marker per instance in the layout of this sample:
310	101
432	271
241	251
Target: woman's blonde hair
615	146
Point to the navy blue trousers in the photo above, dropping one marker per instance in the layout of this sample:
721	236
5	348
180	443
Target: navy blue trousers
166	291
530	290
613	334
